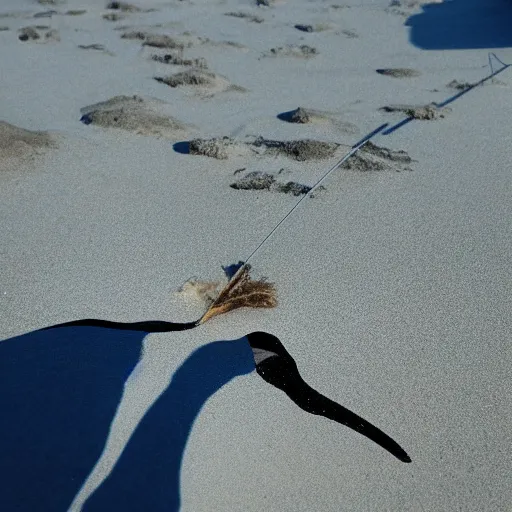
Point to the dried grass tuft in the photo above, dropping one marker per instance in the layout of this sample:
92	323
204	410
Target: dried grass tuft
242	292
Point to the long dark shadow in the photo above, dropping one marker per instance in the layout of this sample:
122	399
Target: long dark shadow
60	388
462	24
147	475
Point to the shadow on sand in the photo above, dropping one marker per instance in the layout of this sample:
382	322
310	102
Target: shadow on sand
61	387
462	24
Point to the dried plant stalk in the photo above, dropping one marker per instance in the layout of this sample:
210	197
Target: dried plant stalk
242	292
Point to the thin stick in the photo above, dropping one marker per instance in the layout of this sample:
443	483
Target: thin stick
355	148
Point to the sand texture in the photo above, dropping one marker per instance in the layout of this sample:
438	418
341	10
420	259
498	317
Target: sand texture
148	148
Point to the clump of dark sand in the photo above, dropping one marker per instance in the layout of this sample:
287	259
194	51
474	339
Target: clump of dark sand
75	12
213	148
376	158
154	40
398	72
263	3
134	114
20	144
293	50
178	60
301	150
123	6
386	153
422	112
40	33
246	16
299	115
459	86
263	181
113	16
28	34
194	77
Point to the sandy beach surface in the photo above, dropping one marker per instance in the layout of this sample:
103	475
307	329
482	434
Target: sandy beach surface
145	144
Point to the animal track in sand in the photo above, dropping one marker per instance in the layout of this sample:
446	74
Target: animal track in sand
135	114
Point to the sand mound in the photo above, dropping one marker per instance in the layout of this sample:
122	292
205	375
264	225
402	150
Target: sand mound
134	114
263	181
398	72
376	158
205	81
422	112
154	40
300	150
299	115
20	144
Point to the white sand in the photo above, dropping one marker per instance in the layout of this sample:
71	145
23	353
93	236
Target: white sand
395	288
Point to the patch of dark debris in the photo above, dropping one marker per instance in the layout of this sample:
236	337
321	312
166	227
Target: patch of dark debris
376	158
263	181
301	150
189	77
398	72
422	112
246	16
178	60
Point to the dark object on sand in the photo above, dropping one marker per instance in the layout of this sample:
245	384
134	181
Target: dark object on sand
263	181
398	72
277	367
304	28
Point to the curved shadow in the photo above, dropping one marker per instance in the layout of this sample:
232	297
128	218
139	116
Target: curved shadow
147	475
462	24
277	367
61	386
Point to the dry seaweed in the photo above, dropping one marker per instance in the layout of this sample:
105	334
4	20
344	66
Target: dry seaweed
242	292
